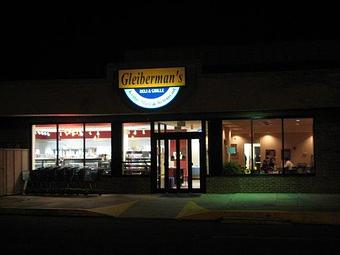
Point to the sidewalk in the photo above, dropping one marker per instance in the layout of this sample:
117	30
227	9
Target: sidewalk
239	207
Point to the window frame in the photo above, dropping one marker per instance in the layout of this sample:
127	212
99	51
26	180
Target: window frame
282	119
122	161
57	124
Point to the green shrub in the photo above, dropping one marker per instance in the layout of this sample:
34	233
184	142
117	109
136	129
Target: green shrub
232	168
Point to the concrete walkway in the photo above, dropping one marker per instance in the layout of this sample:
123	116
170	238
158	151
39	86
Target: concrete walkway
238	207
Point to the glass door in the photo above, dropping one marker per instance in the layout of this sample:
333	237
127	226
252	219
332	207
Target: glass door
195	167
174	176
178	165
161	155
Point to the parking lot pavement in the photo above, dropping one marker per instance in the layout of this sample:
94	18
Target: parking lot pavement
242	207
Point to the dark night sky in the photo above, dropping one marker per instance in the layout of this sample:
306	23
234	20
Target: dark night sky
49	42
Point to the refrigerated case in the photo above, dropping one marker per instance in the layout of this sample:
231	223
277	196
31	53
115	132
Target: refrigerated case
137	163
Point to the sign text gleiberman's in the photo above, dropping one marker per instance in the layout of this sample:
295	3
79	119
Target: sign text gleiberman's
149	78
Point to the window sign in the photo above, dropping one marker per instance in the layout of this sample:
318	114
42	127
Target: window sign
152	88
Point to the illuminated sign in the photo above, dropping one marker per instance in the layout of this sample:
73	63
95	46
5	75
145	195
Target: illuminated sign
152	88
150	78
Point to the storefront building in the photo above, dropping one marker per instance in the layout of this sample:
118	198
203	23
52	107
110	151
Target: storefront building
165	121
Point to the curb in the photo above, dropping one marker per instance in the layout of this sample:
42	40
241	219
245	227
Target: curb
269	217
50	212
228	217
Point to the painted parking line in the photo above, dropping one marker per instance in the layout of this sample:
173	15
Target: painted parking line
113	210
191	208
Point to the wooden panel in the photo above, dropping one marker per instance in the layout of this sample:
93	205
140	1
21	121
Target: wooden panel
2	174
24	166
17	171
2	164
2	181
25	159
9	157
12	162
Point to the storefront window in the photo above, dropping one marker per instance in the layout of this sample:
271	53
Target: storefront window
44	146
98	146
178	126
267	146
298	146
236	135
71	145
136	149
96	137
256	146
207	146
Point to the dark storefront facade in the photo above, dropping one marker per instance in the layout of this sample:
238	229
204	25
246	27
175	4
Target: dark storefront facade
220	132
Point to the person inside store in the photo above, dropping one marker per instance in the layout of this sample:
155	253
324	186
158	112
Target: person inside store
265	165
271	164
288	166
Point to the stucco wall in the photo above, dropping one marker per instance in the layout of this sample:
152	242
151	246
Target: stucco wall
203	94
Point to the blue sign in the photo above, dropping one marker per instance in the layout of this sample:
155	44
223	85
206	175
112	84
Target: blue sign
152	98
153	87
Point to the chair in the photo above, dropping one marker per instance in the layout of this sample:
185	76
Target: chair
301	168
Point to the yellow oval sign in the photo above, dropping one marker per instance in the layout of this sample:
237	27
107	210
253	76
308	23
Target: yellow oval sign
150	78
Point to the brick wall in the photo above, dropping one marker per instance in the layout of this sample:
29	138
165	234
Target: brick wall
327	144
125	184
310	184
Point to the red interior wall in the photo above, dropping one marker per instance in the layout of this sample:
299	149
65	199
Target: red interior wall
183	162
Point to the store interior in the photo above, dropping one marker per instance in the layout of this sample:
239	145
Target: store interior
136	149
78	144
268	135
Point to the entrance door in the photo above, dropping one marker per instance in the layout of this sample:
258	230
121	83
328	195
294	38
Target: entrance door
178	164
